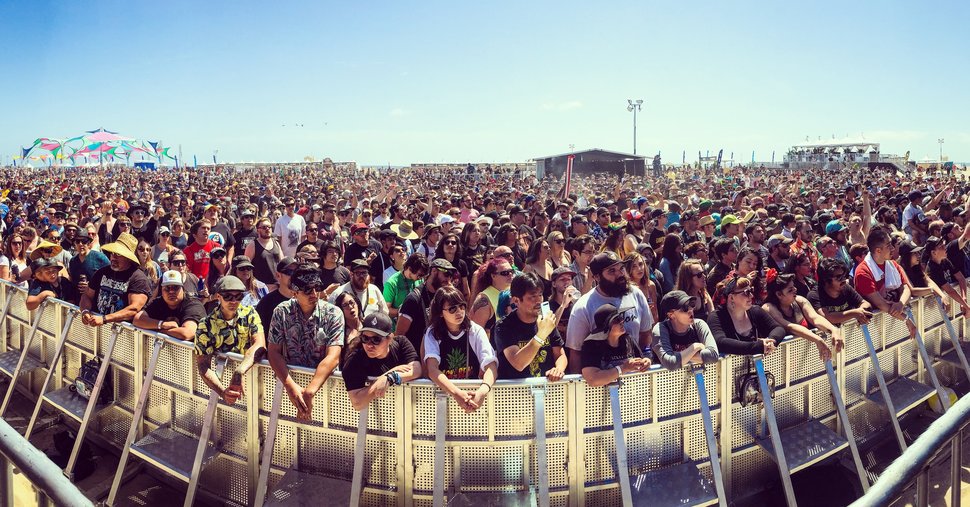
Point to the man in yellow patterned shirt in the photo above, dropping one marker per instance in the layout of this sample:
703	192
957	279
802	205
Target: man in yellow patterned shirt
231	327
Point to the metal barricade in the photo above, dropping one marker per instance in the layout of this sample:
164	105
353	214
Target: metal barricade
661	417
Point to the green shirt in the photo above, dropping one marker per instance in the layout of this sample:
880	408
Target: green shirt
396	288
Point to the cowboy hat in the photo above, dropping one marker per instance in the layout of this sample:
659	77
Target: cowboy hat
123	246
55	249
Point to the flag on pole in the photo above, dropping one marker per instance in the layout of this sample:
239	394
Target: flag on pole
564	192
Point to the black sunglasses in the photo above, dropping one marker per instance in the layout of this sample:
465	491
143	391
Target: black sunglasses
231	296
368	339
455	309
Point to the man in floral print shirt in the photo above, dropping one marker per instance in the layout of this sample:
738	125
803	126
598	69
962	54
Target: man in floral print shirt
231	327
305	331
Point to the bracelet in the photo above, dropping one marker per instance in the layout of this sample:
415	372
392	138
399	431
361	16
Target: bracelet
619	371
159	326
393	378
538	341
486	384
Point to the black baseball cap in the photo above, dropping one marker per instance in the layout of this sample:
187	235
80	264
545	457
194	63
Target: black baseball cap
379	324
602	261
286	265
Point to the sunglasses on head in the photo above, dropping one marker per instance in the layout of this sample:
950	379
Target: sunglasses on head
371	339
231	296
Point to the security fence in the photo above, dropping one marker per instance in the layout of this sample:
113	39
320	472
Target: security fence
494	450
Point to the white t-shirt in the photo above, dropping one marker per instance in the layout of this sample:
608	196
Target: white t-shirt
637	319
477	341
290	230
909	213
371	300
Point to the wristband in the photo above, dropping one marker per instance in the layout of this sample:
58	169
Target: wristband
540	342
159	326
393	378
619	371
488	386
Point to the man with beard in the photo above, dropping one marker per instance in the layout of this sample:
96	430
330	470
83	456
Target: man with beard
305	331
265	253
220	231
413	318
290	228
779	251
143	227
528	341
368	296
173	314
612	288
246	233
362	247
119	290
86	263
383	259
312	238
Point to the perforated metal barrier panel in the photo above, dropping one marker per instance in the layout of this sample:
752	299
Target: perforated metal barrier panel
493	448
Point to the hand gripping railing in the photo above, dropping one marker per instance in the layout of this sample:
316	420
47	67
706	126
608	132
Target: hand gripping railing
914	462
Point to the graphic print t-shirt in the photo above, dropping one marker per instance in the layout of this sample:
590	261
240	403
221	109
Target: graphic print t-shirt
111	288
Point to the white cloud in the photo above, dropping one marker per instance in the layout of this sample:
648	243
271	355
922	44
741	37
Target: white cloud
563	106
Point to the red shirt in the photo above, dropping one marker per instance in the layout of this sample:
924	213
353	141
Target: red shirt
197	258
866	284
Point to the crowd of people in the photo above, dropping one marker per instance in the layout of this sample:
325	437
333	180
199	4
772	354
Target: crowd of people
397	275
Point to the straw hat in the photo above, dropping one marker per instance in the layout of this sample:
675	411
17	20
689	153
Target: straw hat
35	253
123	246
405	230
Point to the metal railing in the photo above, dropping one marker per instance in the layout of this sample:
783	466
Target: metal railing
913	465
43	473
660	414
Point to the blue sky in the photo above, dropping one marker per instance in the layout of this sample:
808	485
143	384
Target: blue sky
402	82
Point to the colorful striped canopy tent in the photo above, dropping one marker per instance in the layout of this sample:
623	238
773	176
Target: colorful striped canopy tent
100	144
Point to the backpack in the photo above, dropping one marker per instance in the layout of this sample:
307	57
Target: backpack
87	376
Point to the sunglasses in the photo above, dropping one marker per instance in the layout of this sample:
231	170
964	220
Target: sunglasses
18	243
455	309
178	263
369	339
231	297
451	243
82	241
45	251
166	234
700	275
219	255
745	292
172	288
312	229
507	272
558	241
361	273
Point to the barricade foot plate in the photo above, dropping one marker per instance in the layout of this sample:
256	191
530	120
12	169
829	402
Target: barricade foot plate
806	444
9	359
682	484
526	498
952	357
172	451
905	393
304	489
70	403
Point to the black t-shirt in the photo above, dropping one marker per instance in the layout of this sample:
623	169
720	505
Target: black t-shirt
599	353
359	365
564	318
190	309
512	331
226	240
941	273
339	275
848	299
62	290
243	238
354	251
266	305
111	288
416	306
958	257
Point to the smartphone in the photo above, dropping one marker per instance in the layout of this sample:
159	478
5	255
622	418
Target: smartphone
545	311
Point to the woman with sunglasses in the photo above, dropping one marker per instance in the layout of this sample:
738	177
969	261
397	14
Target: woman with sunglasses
492	302
836	299
190	282
455	347
558	254
739	326
15	252
450	249
797	315
692	280
352	321
218	266
680	339
242	268
151	269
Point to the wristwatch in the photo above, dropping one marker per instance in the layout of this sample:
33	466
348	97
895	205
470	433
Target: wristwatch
159	326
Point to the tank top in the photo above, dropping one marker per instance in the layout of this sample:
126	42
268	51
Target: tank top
264	262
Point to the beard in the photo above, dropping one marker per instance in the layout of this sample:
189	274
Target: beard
617	288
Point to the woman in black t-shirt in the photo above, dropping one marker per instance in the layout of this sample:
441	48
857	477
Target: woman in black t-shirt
740	327
942	272
378	353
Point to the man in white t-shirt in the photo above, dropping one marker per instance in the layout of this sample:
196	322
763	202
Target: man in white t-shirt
613	288
289	229
913	218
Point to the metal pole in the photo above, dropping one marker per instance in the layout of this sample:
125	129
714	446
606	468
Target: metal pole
635	132
6	482
956	458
